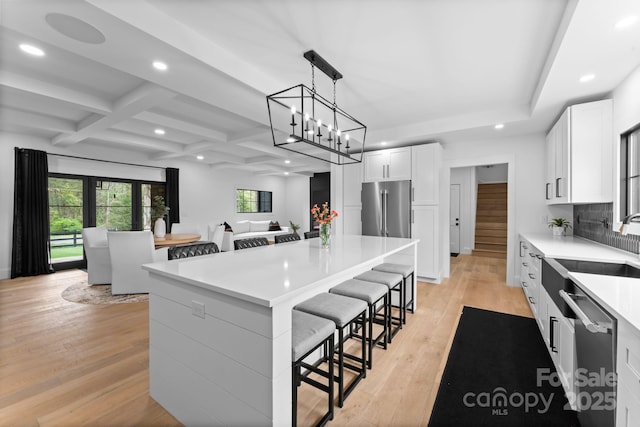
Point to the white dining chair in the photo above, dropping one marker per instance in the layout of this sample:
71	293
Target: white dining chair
129	251
96	247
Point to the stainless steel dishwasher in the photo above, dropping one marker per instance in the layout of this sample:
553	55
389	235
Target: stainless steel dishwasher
595	378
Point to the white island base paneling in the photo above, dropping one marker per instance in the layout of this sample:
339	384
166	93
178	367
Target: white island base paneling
220	332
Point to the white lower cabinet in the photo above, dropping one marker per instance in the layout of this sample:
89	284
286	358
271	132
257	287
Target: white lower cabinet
425	228
628	369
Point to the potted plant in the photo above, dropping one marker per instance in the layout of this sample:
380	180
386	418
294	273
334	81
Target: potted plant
158	211
294	227
559	226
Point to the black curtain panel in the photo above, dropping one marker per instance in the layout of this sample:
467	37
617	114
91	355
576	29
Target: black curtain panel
173	195
30	254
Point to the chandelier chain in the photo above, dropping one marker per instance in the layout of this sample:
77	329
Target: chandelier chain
335	104
313	78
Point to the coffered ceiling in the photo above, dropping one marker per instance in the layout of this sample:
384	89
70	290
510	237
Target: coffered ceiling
413	70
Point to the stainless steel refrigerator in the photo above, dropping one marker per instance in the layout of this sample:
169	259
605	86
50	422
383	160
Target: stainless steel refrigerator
386	208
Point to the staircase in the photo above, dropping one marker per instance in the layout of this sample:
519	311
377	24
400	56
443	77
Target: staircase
491	221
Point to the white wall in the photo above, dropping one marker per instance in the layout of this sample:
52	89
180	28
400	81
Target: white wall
465	177
297	200
207	195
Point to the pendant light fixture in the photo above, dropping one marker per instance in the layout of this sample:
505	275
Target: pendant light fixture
304	122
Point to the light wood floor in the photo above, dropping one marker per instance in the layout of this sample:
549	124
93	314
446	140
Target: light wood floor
64	363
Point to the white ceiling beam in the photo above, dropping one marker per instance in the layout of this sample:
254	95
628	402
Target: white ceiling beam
35	120
142	98
38	87
258	133
196	147
182	125
137	140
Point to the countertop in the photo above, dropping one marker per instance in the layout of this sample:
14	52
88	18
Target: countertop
618	295
270	274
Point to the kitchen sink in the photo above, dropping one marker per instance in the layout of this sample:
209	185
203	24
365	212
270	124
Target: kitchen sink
604	268
555	276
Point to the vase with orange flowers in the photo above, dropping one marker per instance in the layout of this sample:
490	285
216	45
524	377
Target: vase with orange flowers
323	216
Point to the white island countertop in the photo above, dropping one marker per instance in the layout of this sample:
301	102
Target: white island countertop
618	295
267	275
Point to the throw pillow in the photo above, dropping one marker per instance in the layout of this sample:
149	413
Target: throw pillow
274	226
259	226
227	227
241	227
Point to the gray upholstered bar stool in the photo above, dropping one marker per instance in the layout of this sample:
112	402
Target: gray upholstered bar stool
308	334
343	311
394	284
376	297
406	271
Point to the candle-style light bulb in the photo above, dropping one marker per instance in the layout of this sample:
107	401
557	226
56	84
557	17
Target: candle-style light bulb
329	129
346	136
293	116
319	128
306	121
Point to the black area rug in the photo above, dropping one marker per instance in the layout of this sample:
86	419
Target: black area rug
492	376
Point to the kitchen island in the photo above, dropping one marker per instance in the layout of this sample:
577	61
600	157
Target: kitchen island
220	325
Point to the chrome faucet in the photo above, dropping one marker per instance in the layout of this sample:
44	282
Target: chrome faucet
626	221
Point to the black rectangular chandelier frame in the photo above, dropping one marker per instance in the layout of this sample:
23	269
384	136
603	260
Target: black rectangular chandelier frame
296	117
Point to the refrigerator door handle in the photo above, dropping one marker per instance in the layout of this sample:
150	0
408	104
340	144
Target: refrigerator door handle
386	207
383	211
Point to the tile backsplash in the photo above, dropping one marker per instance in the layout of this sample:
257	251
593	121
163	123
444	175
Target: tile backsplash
593	222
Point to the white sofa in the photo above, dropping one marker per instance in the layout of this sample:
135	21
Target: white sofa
246	230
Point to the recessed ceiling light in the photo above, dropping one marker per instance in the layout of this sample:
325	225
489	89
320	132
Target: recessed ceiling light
287	161
31	50
159	65
286	173
200	157
159	131
383	143
499	126
626	22
587	78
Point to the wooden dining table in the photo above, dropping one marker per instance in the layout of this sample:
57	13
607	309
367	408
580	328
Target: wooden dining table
175	239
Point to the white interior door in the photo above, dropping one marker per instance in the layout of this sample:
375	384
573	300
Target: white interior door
454	219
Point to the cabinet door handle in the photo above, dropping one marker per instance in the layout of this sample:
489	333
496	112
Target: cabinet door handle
558	187
532	276
552	339
524	264
388	174
524	285
383	171
413	194
546	190
531	300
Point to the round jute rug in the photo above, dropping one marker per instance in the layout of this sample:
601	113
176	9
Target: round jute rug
98	294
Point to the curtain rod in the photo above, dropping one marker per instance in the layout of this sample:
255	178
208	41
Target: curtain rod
104	161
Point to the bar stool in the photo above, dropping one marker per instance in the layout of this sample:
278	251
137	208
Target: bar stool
343	311
406	271
308	334
394	284
372	294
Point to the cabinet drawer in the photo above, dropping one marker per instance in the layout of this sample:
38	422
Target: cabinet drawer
628	360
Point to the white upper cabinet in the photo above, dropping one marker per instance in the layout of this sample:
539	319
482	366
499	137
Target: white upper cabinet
425	170
387	165
579	155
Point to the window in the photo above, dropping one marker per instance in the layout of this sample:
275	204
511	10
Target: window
630	173
66	218
113	205
253	201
